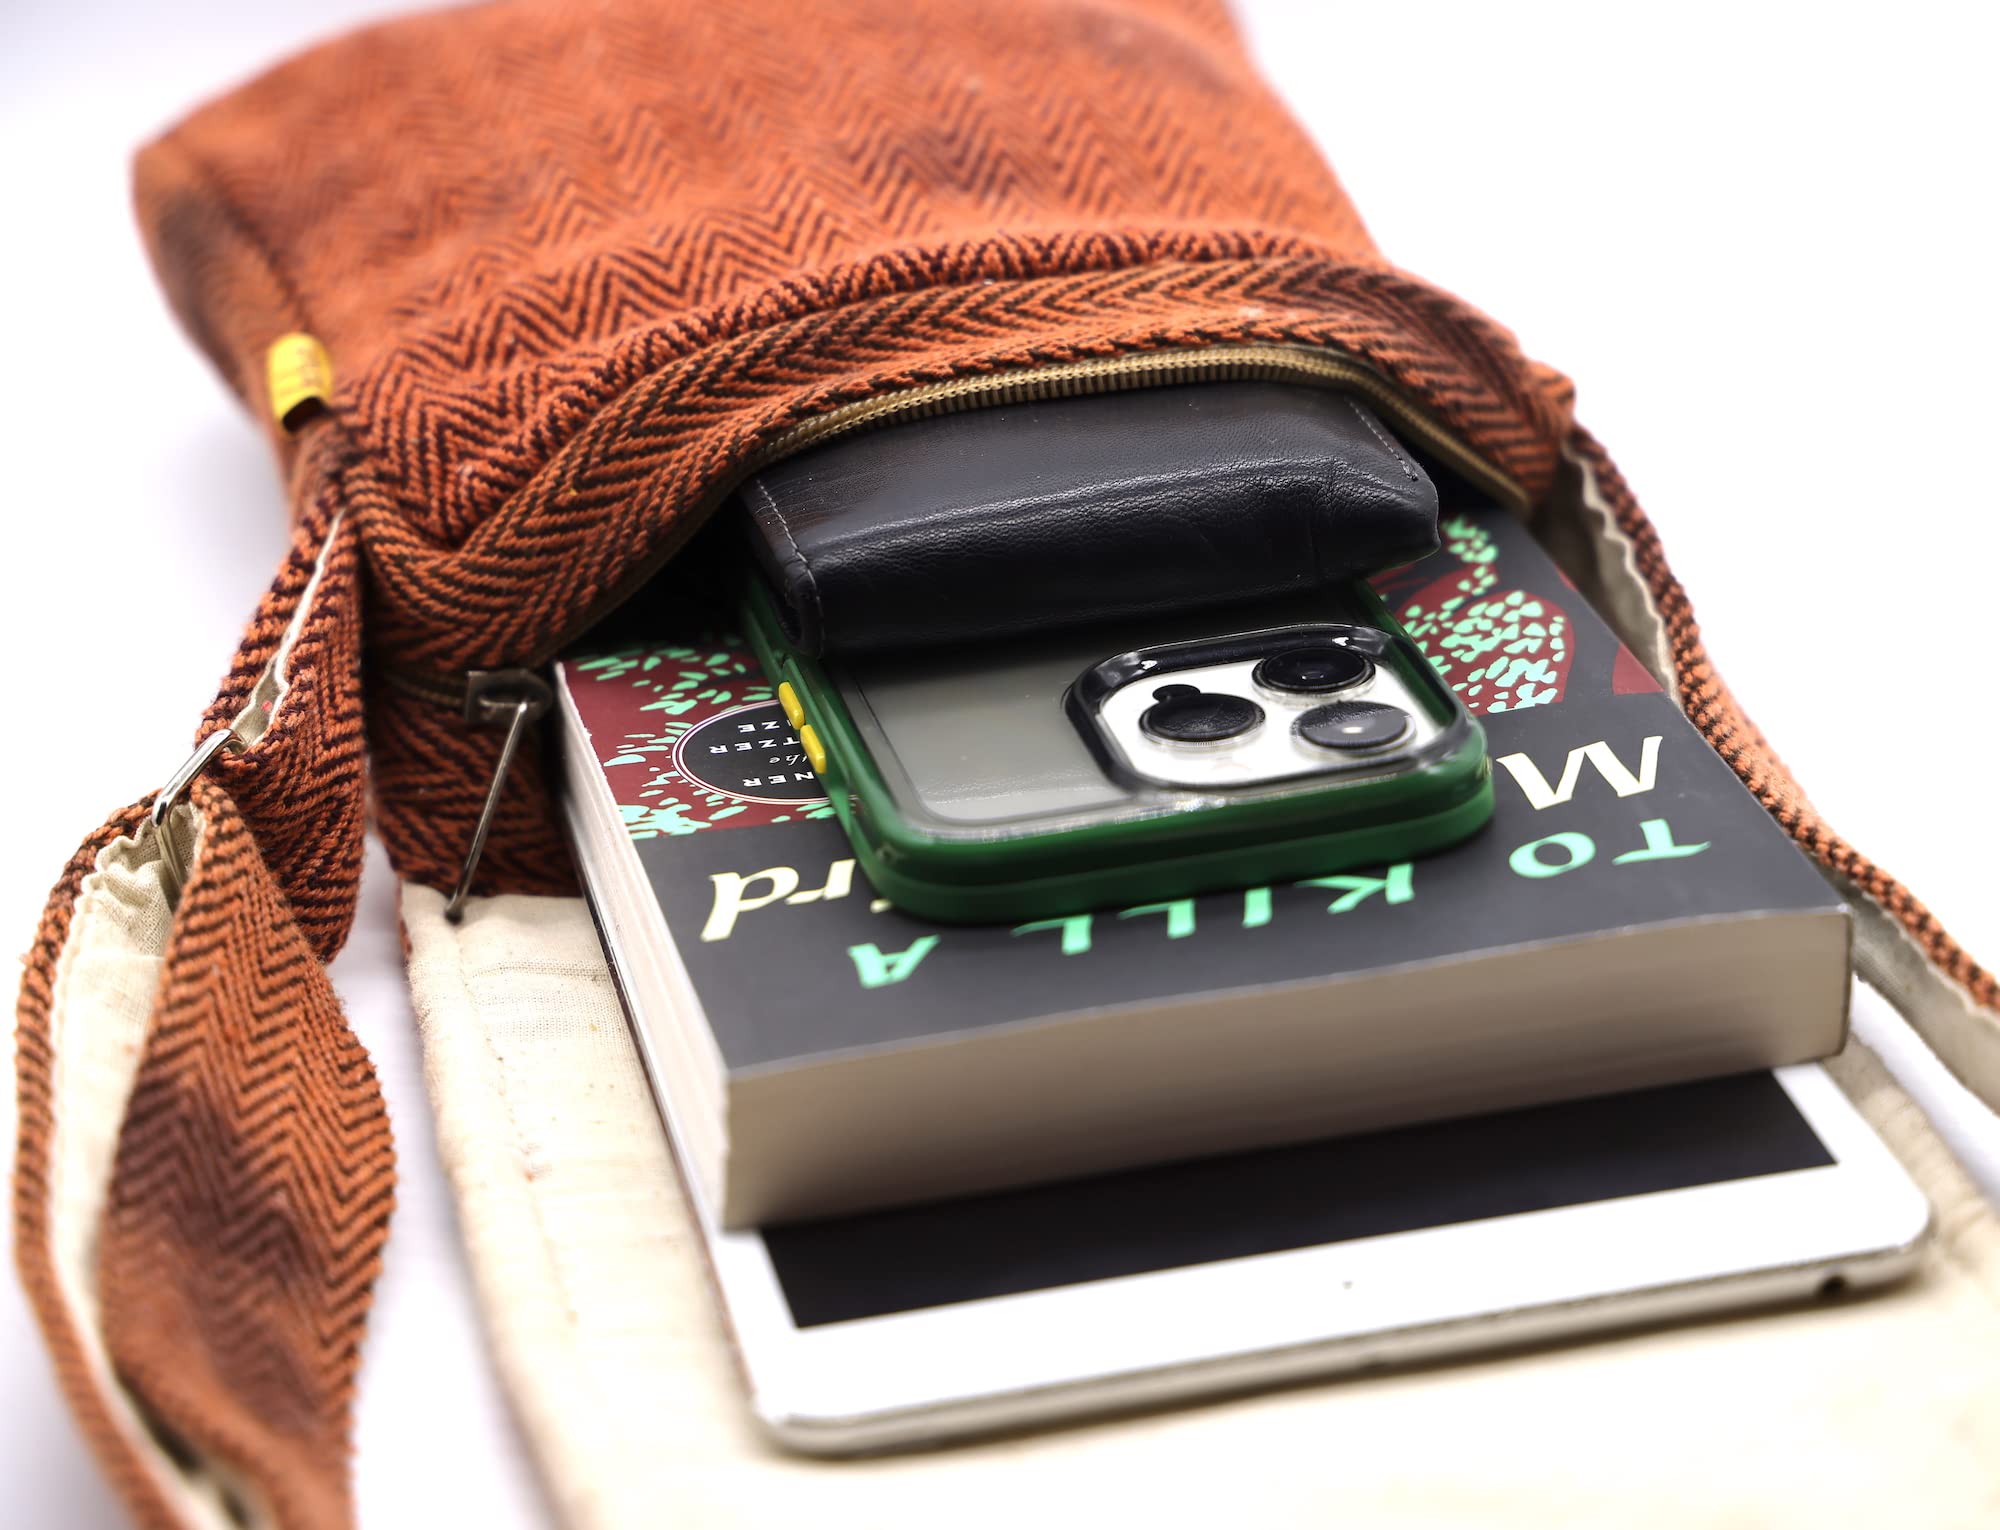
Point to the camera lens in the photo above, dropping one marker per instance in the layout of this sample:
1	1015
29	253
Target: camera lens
1183	714
1312	670
1357	725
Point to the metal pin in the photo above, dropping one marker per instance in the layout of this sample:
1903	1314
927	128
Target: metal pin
173	869
518	698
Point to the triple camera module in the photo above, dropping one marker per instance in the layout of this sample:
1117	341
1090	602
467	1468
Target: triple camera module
1184	714
1254	709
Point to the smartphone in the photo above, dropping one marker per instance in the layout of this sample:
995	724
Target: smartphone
1154	757
911	1326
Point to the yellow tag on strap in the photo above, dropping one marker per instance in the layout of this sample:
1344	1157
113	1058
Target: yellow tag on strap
299	375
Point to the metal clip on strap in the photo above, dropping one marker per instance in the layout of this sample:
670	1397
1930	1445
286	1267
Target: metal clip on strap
174	868
517	698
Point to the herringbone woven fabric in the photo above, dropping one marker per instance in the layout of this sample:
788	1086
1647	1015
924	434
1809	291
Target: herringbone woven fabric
576	262
251	1192
301	789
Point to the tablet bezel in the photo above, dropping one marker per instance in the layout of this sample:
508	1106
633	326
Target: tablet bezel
912	1377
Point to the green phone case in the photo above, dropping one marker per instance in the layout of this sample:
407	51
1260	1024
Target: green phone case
1314	832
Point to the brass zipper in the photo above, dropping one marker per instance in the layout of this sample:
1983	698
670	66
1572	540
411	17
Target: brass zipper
1073	379
1113	374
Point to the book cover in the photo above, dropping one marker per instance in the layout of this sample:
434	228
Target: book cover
1611	811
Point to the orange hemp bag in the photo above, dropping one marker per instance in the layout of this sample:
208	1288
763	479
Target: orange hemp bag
575	267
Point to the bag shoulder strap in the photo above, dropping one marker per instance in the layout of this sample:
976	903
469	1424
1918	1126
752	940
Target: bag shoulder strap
205	1171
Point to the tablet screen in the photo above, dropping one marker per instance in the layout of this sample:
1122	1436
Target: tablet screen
1167	1217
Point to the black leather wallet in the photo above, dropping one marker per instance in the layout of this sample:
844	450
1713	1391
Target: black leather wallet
1026	516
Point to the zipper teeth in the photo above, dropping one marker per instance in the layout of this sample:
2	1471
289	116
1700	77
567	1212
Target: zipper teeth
1075	379
1156	368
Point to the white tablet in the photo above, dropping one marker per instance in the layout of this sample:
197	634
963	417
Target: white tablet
902	1327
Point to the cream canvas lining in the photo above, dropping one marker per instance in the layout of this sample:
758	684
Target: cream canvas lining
594	1290
261	710
613	1349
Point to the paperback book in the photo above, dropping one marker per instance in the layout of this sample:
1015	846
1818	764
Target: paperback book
1631	917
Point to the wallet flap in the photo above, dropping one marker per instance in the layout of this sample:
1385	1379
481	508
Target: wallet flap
1024	516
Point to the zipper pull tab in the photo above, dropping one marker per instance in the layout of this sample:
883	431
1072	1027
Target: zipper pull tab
516	698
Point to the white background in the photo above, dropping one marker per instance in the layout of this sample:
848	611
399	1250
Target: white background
1762	240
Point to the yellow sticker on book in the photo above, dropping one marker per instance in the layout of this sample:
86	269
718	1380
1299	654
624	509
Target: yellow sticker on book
299	375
